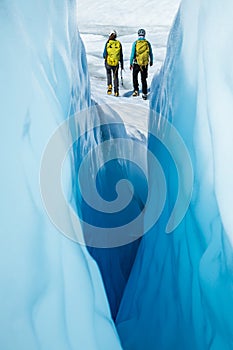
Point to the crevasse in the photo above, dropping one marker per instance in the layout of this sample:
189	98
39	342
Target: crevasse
177	293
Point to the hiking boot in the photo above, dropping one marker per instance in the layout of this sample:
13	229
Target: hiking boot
135	93
144	96
116	93
109	91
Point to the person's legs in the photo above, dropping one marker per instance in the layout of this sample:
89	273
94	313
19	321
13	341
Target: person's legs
136	70
109	78
115	79
144	75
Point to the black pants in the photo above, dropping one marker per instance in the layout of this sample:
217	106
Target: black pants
144	74
112	72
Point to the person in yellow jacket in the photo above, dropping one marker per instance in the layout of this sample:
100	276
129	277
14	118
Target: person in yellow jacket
112	55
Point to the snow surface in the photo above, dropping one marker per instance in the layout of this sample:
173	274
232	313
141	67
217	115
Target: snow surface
127	14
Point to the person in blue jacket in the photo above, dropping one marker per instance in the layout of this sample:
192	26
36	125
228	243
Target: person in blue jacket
141	57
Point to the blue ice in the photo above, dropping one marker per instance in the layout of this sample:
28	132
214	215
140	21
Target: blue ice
52	296
180	291
165	290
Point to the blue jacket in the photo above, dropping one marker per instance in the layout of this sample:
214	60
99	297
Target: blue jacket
133	52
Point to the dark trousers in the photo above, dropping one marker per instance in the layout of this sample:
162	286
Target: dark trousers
112	72
144	74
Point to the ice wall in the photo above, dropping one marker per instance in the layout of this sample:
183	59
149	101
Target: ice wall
51	294
179	295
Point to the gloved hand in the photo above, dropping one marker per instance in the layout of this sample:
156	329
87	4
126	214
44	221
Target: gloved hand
131	67
151	64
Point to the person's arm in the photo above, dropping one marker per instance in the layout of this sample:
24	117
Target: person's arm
105	52
121	58
132	57
151	54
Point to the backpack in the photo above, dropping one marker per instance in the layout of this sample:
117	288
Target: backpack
113	52
142	52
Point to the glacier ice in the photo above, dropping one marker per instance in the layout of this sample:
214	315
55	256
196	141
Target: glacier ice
52	296
179	294
179	291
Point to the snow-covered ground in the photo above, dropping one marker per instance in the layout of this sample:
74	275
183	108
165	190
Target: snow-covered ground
127	13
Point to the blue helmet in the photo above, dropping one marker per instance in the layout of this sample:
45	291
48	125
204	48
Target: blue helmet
141	32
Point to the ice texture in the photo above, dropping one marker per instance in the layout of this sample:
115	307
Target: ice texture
52	295
177	293
180	290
